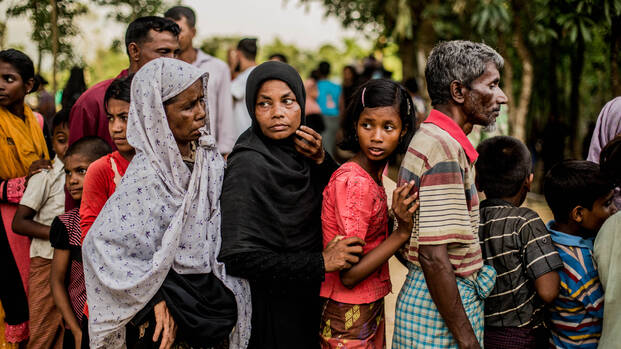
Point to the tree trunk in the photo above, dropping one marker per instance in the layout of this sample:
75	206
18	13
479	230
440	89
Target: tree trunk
407	51
615	46
39	58
518	122
54	23
577	65
507	79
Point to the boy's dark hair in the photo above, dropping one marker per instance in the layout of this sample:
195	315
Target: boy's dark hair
379	93
610	160
248	48
280	57
177	12
504	163
411	85
572	183
60	118
22	63
324	69
138	30
92	147
120	89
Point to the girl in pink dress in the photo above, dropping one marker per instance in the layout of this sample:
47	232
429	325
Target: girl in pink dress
379	124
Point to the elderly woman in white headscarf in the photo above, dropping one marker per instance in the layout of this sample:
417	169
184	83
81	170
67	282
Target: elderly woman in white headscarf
152	277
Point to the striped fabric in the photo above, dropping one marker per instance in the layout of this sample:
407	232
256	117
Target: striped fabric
418	323
578	311
516	243
441	162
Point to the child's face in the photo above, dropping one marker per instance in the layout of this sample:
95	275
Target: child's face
60	140
602	208
75	169
379	130
118	111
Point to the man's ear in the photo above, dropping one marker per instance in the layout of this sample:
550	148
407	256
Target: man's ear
577	214
193	30
529	181
134	52
457	92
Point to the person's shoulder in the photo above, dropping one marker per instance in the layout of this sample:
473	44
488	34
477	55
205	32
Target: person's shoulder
94	94
99	167
351	174
434	145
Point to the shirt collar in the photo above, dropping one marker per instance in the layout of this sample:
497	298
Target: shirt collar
495	202
201	57
447	124
569	240
57	165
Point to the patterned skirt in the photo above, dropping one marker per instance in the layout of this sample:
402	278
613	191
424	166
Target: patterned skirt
418	323
352	326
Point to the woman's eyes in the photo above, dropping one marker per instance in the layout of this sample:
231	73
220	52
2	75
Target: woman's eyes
389	127
288	101
263	104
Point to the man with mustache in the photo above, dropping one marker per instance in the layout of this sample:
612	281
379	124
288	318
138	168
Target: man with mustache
441	302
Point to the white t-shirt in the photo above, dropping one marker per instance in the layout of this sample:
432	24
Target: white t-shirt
238	90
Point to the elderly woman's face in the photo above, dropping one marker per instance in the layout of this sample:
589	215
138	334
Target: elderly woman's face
186	113
277	110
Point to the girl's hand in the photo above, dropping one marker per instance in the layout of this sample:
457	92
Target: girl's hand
308	143
404	213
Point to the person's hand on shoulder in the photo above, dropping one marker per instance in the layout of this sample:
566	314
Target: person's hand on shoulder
308	143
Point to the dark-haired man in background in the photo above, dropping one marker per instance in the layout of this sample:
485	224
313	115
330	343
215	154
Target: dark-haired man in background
146	38
220	103
242	61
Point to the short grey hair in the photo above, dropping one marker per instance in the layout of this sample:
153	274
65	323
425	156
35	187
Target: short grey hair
459	60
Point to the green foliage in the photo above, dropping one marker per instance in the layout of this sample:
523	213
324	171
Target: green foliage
125	11
39	14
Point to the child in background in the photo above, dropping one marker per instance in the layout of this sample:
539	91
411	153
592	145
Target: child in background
105	173
580	198
379	124
44	199
70	295
514	241
607	251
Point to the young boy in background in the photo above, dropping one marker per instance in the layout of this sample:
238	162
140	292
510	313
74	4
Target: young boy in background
44	199
514	241
70	295
580	198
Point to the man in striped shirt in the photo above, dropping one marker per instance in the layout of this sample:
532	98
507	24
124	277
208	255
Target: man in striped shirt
441	302
581	199
516	243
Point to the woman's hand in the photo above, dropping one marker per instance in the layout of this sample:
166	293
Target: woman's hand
38	166
164	322
342	253
308	143
401	201
77	337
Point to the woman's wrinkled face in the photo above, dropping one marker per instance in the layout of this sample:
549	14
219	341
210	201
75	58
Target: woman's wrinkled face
277	110
186	113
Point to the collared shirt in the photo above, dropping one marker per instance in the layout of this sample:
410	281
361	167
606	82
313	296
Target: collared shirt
238	90
606	252
45	194
88	116
577	312
440	160
220	103
517	244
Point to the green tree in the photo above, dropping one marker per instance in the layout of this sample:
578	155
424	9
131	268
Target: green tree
125	11
51	36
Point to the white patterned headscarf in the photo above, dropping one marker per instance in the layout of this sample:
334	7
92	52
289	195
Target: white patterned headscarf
161	215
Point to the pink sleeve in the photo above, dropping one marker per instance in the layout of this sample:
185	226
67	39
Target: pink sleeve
354	206
12	190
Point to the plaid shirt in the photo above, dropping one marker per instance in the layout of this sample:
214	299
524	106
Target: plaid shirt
515	241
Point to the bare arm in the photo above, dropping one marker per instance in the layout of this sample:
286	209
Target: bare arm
60	265
547	286
442	285
374	259
24	225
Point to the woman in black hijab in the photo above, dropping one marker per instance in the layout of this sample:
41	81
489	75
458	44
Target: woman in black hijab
271	212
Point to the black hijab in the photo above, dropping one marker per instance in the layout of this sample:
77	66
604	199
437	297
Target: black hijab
269	201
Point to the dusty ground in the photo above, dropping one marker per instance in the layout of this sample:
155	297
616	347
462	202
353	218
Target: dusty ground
398	271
